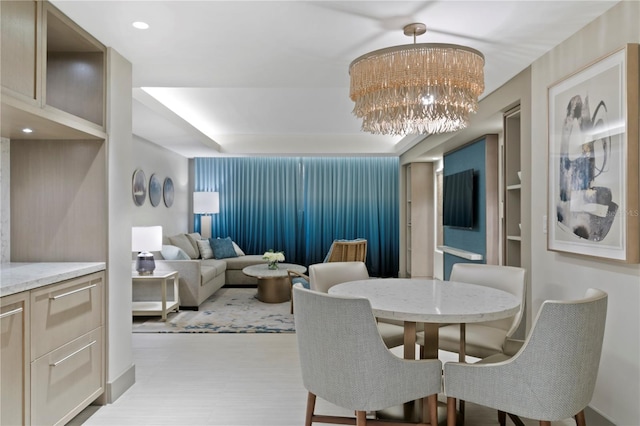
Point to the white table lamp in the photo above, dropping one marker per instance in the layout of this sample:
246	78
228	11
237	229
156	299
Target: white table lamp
206	203
145	239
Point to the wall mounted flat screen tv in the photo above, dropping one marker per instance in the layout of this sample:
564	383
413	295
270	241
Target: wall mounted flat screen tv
458	200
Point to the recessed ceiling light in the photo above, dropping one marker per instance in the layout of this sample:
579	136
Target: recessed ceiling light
27	130
140	25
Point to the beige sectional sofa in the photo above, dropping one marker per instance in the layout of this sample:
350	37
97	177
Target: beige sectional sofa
199	278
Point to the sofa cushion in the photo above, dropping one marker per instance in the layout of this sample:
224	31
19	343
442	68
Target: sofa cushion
193	239
219	265
170	252
182	241
207	273
222	248
206	252
241	262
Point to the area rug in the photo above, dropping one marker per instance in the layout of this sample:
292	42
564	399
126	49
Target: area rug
228	310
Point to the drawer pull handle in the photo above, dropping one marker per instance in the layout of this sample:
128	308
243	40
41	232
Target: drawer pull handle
60	296
55	364
12	312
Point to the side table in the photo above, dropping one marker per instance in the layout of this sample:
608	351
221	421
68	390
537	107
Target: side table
164	306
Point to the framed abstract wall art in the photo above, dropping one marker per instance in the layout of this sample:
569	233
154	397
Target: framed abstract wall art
593	206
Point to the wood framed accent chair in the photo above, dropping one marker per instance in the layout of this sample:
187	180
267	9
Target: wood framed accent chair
347	251
344	361
553	375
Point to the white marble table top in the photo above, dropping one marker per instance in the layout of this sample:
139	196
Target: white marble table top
431	301
16	277
262	270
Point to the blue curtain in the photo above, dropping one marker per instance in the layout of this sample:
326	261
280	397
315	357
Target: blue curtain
300	205
347	198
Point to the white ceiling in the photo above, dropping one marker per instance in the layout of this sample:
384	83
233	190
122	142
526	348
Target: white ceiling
271	77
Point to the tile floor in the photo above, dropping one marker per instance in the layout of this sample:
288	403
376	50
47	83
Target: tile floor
223	380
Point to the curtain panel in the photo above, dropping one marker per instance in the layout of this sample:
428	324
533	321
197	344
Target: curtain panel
300	205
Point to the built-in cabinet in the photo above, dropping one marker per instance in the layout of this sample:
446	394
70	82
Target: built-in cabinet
53	362
419	220
53	81
52	76
15	360
67	348
513	189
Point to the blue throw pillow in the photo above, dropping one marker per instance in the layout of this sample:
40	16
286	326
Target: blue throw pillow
222	248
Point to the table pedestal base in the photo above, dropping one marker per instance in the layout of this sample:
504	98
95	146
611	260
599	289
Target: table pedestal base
411	412
274	290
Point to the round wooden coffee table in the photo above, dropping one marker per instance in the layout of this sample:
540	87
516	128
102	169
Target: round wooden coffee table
273	284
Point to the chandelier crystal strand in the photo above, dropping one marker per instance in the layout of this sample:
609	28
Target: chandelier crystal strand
416	88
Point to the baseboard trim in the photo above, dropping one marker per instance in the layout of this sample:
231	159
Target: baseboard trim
121	384
593	417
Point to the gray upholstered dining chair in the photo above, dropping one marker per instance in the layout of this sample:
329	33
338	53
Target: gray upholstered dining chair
553	375
323	276
487	338
344	361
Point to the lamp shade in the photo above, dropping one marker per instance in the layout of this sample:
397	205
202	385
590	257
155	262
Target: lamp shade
206	202
146	238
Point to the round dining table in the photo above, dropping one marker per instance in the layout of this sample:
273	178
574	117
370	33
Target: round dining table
432	302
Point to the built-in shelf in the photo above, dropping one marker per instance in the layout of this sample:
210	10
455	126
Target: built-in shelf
514	237
469	255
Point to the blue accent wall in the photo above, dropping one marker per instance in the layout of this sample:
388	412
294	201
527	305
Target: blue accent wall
472	156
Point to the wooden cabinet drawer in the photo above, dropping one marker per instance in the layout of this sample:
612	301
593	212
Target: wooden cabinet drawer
14	359
65	311
66	380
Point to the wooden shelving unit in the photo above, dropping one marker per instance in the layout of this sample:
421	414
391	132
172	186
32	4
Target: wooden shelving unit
513	188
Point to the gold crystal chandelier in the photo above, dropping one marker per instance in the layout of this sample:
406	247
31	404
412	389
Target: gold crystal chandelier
416	88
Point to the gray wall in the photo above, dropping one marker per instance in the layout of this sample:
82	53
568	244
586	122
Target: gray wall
564	276
152	158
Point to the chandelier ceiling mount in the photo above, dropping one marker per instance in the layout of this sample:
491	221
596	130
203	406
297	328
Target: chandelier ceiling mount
423	88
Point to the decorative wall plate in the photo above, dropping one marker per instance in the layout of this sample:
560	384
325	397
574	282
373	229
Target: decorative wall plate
155	190
168	192
139	187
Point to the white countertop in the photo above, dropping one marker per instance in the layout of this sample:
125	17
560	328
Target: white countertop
18	277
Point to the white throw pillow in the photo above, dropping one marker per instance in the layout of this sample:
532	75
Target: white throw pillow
174	253
206	252
237	248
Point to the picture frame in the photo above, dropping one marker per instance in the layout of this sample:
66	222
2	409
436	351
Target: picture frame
155	190
593	206
139	187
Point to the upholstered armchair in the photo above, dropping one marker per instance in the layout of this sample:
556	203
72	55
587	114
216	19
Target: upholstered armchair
487	338
323	276
553	375
340	251
344	361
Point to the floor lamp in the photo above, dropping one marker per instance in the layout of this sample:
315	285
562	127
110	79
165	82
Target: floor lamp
205	204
